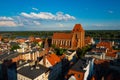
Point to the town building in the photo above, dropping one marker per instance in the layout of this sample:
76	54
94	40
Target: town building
8	70
98	53
72	40
53	62
33	72
70	55
89	41
103	50
82	70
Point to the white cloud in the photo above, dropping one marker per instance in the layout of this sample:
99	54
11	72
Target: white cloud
35	9
48	16
35	19
8	23
110	11
4	18
36	23
60	25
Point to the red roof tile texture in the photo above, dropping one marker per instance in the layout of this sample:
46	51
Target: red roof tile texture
53	59
100	61
62	36
105	44
21	40
111	54
78	75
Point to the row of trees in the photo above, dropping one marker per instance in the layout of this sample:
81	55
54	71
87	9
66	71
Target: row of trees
110	34
105	34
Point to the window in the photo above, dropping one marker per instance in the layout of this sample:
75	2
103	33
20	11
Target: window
78	75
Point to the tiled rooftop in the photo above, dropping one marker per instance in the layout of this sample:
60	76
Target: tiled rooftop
53	58
62	36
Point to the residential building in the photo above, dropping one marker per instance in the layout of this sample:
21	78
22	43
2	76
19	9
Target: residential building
98	53
70	55
89	40
8	70
82	70
105	44
53	62
111	55
103	50
33	72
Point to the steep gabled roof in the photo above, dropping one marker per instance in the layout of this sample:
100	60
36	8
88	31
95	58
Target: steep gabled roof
53	59
78	28
62	36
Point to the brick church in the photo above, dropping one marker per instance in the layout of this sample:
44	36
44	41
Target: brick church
71	40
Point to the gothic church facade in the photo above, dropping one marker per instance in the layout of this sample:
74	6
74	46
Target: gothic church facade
72	40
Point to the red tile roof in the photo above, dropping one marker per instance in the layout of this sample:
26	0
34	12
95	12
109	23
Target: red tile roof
101	61
111	54
77	74
62	36
38	40
105	44
53	58
21	40
88	40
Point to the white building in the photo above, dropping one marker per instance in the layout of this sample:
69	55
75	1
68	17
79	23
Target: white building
38	72
97	55
53	62
70	55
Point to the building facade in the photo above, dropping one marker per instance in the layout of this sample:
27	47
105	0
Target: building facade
82	70
53	62
72	40
36	72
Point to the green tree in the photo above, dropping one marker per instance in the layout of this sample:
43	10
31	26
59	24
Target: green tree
81	52
15	47
59	51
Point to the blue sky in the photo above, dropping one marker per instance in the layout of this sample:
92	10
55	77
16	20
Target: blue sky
24	15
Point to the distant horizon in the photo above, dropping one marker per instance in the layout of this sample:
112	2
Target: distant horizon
59	30
25	15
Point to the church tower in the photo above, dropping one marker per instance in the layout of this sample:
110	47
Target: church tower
78	36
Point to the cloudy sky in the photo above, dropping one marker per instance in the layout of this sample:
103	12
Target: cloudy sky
25	15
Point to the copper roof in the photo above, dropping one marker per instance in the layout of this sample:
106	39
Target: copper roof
62	36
